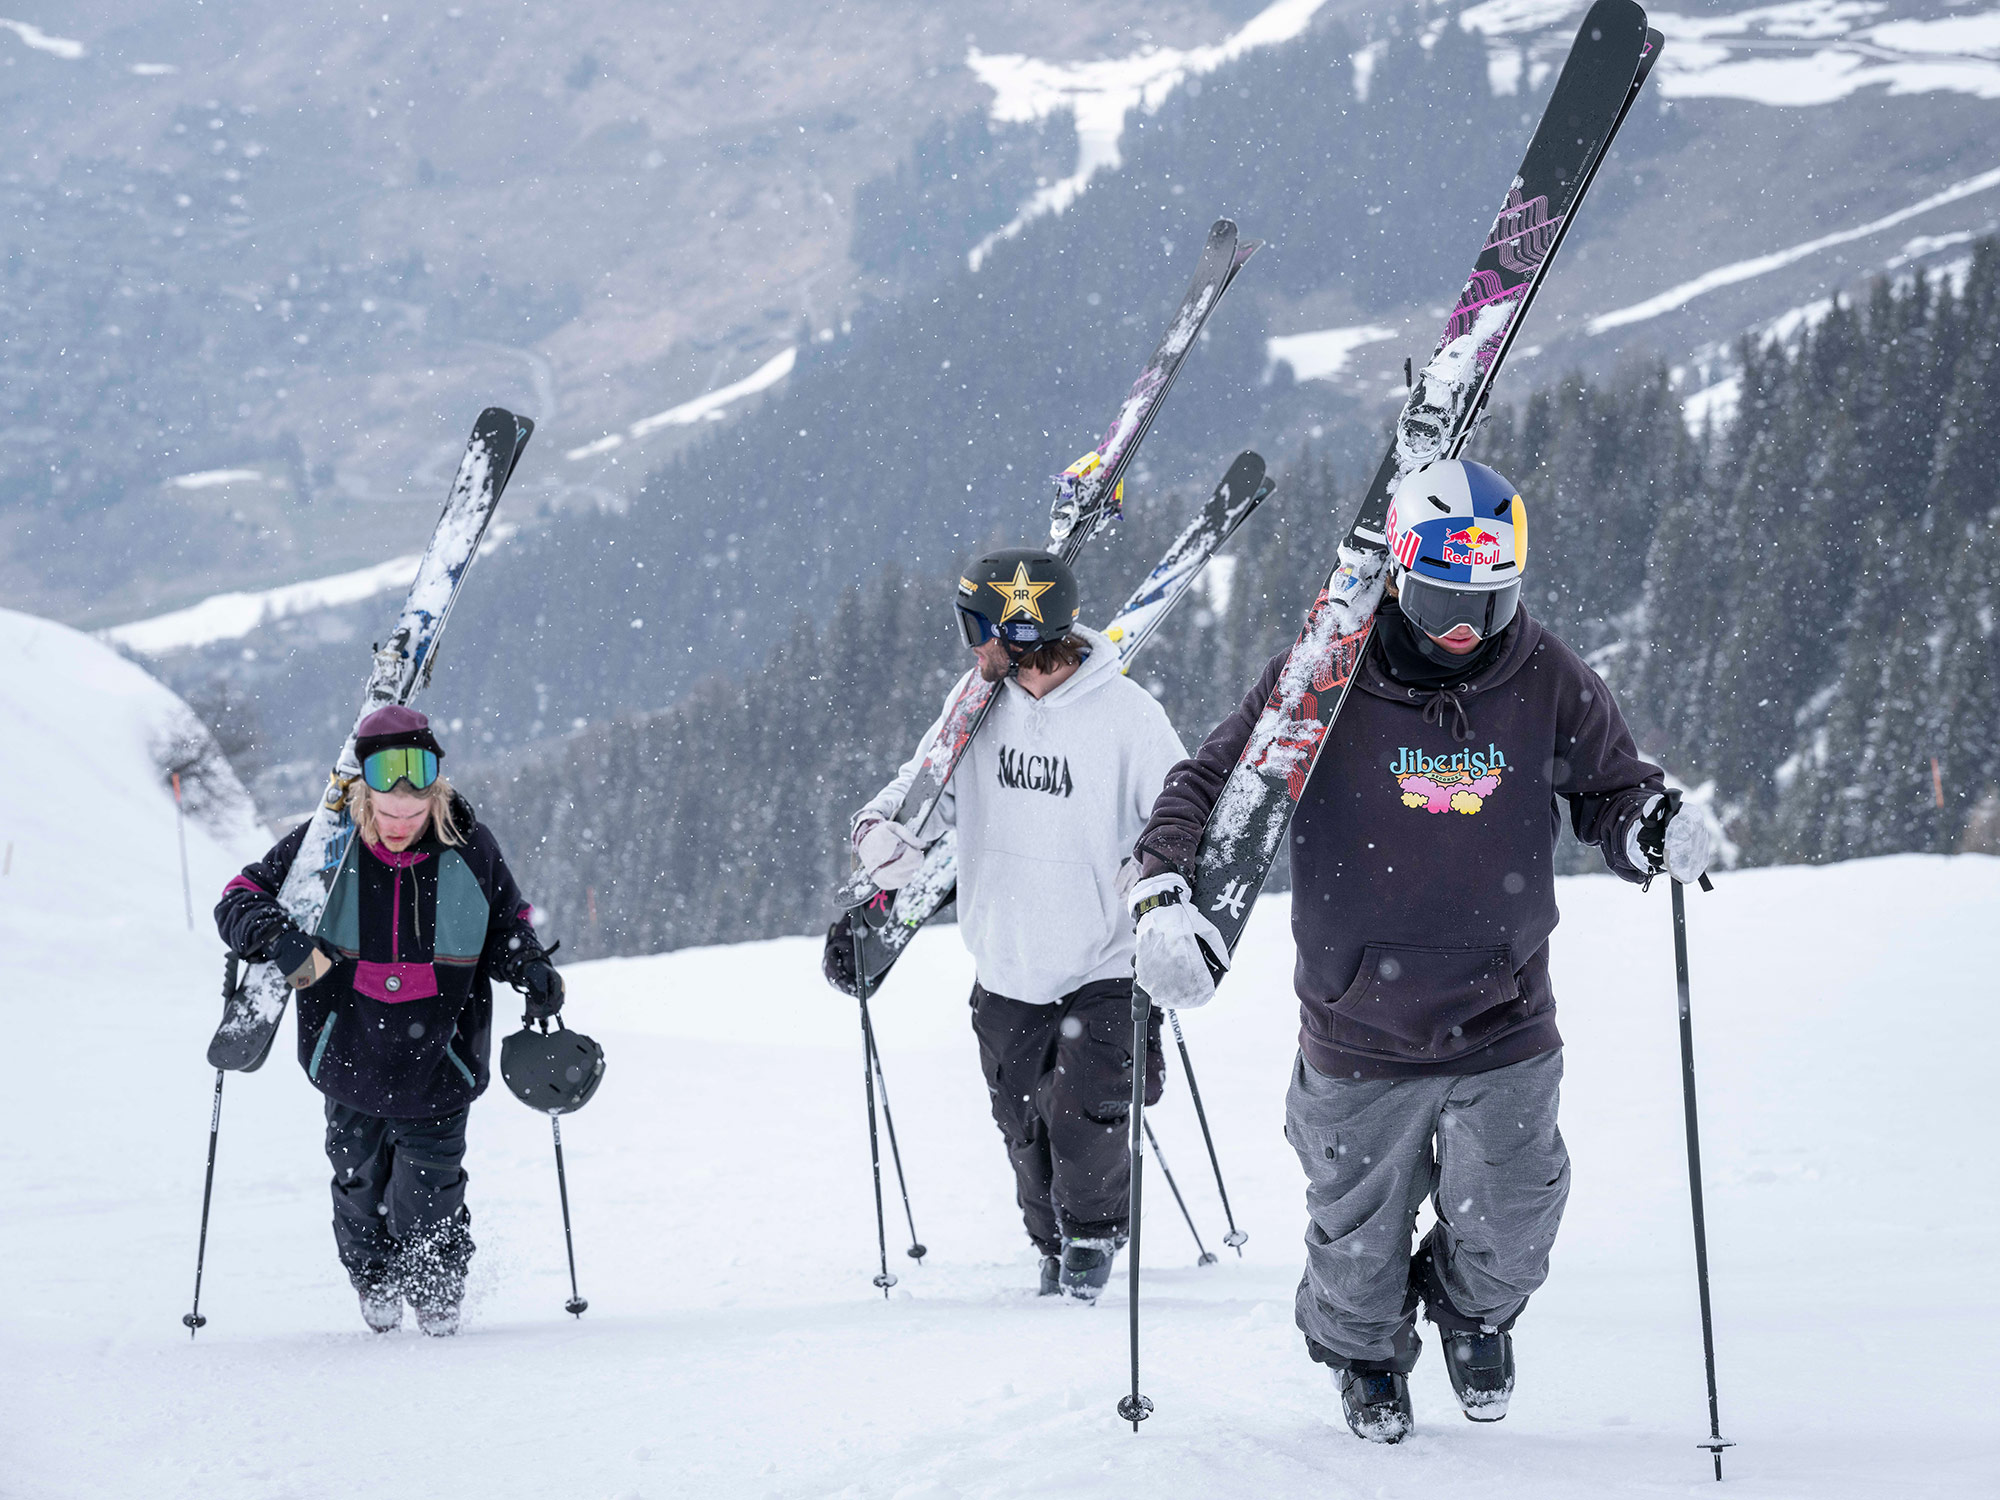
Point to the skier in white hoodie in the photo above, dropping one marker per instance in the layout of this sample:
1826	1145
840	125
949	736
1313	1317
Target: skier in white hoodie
1048	802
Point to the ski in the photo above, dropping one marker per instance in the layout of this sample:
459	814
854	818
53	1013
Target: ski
402	667
891	920
1088	493
1608	64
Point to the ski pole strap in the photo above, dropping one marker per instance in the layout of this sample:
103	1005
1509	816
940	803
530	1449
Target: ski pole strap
1157	899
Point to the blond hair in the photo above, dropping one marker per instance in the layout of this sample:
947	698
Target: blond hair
361	801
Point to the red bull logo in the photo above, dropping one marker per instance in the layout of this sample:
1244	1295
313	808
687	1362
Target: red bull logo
1472	546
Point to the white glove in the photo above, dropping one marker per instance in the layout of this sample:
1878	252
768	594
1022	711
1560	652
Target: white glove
890	855
1689	844
1175	945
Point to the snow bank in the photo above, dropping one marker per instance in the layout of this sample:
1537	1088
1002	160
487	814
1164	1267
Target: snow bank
708	408
231	616
90	897
1322	354
1102	91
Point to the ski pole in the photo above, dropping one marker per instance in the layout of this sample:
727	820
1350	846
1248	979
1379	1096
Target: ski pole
883	1278
1135	1408
180	831
1236	1238
1168	1172
575	1306
917	1249
192	1317
1716	1443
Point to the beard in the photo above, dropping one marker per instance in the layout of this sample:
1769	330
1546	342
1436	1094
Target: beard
994	671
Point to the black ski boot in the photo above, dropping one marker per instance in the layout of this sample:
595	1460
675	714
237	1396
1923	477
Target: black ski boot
1086	1267
1051	1276
1481	1366
1376	1403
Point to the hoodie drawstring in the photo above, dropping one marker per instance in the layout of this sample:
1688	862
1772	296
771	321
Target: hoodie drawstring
1461	728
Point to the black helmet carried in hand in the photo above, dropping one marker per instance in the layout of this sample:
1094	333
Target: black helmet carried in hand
554	1072
1023	595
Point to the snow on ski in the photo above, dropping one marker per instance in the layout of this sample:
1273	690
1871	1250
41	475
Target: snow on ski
401	668
935	886
1608	63
1087	495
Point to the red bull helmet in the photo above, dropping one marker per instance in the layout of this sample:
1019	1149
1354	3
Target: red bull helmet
1458	545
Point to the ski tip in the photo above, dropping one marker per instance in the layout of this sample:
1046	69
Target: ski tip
1245	250
1222	229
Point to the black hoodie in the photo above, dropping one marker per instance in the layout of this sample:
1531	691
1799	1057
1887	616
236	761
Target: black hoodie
1423	885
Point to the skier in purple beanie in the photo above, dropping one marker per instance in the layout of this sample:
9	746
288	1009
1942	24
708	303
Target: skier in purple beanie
395	1008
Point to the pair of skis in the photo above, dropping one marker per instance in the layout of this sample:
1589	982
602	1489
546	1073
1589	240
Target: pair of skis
877	925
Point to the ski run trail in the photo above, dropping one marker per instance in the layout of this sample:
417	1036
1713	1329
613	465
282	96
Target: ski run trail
1845	1026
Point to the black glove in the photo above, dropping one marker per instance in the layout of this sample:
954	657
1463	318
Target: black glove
544	988
837	961
296	955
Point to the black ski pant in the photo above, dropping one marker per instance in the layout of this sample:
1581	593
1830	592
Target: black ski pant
399	1216
1060	1078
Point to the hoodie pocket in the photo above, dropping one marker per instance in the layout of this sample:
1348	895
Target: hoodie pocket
1416	1004
1041	924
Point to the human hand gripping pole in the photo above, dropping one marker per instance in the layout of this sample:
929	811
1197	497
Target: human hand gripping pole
1180	955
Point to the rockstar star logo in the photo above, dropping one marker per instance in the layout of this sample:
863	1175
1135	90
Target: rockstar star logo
1021	595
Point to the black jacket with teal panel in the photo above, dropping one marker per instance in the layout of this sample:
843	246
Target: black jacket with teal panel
402	1025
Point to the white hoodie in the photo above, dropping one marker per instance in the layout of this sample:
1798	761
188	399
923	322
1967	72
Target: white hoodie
1048	802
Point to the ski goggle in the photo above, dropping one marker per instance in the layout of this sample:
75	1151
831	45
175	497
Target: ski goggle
411	763
978	630
1437	610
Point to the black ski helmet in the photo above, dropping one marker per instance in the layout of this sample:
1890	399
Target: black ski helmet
554	1072
1023	595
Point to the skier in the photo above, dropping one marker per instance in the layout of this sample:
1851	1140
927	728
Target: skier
395	1010
1423	897
1047	801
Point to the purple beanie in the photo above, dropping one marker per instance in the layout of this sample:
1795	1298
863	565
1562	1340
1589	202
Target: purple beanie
391	726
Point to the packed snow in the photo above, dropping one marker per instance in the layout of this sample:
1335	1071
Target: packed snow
1101	92
709	408
233	615
725	1229
1792	55
1323	353
42	41
1677	297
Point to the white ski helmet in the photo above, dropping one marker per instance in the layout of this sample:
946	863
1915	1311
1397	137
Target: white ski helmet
1458	546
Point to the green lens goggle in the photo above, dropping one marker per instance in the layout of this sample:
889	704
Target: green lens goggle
411	763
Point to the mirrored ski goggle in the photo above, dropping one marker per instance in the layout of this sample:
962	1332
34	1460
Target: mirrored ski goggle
411	763
1437	610
978	630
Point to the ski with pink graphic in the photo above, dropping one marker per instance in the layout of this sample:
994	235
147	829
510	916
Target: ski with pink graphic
1608	63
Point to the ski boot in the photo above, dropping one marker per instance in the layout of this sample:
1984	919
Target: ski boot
1481	1366
381	1309
1086	1267
1376	1404
439	1322
1051	1276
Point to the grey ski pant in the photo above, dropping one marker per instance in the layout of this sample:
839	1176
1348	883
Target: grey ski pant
1483	1146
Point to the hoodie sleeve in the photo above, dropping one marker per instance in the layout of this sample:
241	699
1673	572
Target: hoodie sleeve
248	916
1598	768
511	941
885	802
1180	812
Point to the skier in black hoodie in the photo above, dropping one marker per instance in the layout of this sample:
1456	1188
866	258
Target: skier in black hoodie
1423	898
396	1010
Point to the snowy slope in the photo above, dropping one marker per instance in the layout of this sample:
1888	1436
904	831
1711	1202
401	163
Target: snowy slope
725	1231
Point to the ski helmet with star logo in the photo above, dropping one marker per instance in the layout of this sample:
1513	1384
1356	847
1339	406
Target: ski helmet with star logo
1458	545
1022	595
